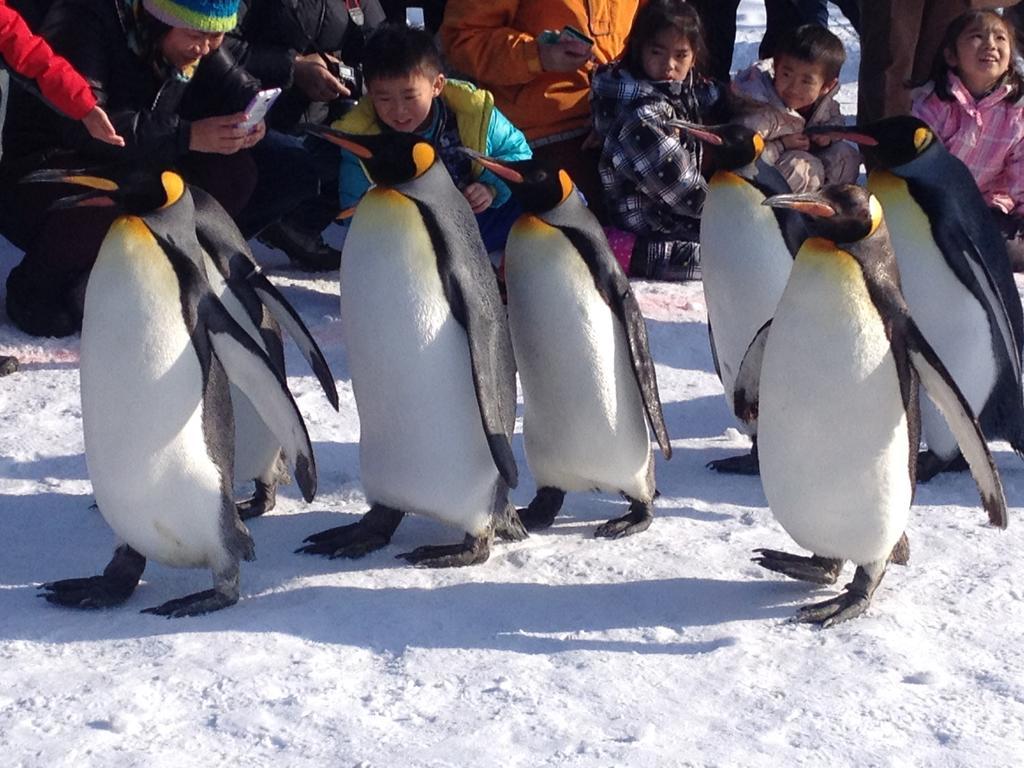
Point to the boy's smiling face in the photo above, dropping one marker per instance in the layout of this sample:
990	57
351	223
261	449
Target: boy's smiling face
403	103
800	83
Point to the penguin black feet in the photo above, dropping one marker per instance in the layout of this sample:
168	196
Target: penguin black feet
223	594
116	585
197	604
929	465
508	526
543	509
815	569
639	518
472	550
372	532
746	464
852	603
262	501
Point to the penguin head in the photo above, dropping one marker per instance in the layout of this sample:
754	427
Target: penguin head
735	146
389	158
536	186
135	190
842	213
888	143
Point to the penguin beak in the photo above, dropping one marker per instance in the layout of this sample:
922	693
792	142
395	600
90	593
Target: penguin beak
700	132
343	140
809	203
346	214
99	187
842	133
508	174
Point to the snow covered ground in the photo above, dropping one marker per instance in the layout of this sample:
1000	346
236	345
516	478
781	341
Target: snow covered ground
667	648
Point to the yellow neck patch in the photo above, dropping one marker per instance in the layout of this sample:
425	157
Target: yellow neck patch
876	213
758	145
566	182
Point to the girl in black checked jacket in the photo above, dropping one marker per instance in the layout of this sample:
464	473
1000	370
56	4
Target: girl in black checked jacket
651	175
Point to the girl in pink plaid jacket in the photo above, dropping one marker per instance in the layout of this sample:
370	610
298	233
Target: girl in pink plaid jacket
975	104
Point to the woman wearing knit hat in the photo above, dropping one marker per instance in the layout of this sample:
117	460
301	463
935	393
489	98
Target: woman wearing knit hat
177	98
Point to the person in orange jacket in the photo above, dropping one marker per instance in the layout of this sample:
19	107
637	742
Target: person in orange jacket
541	81
31	61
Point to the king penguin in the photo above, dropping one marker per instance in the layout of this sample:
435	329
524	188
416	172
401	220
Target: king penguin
956	277
430	357
589	384
833	381
746	252
258	307
158	351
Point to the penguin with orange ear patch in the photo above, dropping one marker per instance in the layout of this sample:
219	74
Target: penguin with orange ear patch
158	353
589	385
431	362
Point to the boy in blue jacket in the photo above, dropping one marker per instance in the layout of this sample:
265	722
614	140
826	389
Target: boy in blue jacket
408	93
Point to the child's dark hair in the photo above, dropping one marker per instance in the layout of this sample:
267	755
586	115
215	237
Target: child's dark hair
653	18
941	69
813	44
395	50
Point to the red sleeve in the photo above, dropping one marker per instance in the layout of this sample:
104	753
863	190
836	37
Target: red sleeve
32	58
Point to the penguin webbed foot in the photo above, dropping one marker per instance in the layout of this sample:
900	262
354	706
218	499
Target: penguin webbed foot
815	569
472	550
638	519
854	600
543	510
508	526
746	464
372	532
115	585
929	465
196	604
262	501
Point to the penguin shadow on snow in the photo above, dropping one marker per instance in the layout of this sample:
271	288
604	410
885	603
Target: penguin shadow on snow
511	617
67	467
680	344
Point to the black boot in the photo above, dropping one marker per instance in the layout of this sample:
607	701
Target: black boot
39	309
307	250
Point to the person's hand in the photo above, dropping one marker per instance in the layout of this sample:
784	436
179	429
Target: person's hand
479	196
566	55
820	139
99	127
314	79
224	135
796	141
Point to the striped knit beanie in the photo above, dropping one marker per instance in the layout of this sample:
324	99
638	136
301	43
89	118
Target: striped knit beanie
201	15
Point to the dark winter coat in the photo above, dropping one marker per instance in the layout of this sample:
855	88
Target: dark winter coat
270	34
152	112
650	173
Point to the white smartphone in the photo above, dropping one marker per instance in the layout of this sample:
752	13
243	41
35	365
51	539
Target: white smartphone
258	107
414	18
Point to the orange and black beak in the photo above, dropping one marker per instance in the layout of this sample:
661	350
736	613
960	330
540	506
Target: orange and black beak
502	171
99	193
701	132
808	203
343	140
843	133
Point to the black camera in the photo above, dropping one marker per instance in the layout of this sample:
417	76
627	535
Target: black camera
351	77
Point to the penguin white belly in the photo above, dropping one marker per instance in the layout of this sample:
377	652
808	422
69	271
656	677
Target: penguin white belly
745	265
948	314
256	446
154	480
833	432
422	446
584	424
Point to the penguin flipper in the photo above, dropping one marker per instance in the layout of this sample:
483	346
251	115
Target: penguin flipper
954	407
613	285
289	319
746	390
249	368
